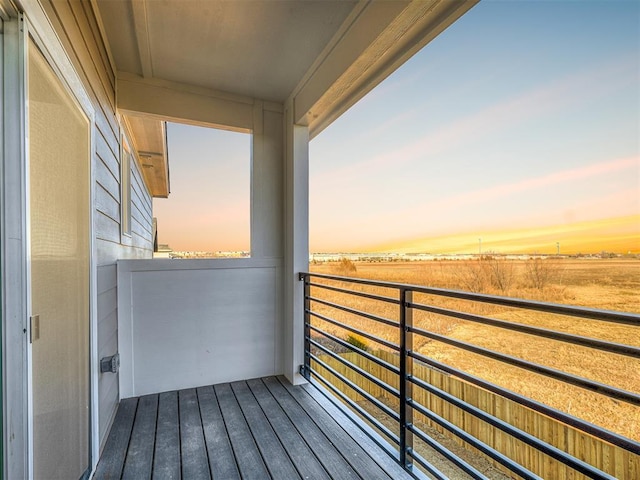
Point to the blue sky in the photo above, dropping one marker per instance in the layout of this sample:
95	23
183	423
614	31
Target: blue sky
521	115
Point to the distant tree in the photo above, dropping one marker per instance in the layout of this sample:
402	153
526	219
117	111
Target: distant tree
500	273
540	272
472	276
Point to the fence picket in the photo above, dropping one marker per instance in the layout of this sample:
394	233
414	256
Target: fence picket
604	456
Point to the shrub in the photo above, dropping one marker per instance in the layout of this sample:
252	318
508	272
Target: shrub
357	342
500	273
346	266
540	272
472	276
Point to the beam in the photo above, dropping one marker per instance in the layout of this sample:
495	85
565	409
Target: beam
142	37
366	52
178	102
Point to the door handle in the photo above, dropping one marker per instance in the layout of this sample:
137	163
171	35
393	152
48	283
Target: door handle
35	327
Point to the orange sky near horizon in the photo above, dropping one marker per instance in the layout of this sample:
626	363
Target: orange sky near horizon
616	235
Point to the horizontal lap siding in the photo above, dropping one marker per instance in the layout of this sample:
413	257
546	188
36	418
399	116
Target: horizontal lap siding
107	342
77	28
141	216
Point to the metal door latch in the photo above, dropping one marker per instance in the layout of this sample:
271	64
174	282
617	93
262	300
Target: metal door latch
34	328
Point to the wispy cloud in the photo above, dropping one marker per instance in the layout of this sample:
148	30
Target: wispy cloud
562	177
535	103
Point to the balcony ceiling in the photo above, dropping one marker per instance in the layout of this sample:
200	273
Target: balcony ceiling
259	49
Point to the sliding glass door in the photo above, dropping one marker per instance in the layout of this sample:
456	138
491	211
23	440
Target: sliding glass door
59	199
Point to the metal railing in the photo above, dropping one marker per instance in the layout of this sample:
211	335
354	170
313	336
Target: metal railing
326	363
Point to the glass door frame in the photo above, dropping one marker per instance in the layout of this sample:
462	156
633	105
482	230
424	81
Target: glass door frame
15	262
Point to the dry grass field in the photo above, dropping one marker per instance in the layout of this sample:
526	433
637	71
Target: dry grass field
610	284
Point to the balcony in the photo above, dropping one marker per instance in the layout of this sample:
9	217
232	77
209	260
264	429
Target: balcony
192	335
373	404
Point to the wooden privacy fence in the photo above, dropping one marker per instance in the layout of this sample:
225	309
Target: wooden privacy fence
609	458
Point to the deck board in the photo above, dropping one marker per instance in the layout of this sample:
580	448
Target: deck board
115	450
166	460
301	454
195	461
221	459
355	452
257	429
138	463
332	460
248	456
272	451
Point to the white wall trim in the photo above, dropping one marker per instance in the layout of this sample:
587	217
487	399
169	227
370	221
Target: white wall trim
14	255
94	359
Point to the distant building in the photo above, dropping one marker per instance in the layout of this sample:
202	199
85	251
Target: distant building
164	251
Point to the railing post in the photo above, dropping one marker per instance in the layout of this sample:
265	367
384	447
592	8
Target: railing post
406	371
306	368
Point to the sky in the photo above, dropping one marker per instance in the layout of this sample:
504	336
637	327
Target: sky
517	129
208	209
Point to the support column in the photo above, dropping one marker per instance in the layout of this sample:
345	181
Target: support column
296	241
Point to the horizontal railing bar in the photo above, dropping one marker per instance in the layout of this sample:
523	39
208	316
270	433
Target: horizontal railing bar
537	331
381	406
355	368
373	358
360	313
610	437
319	384
474	442
373	338
371	296
575	311
585	383
426	465
445	452
388	433
361	281
515	432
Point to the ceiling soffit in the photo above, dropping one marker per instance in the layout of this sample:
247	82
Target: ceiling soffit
150	144
259	49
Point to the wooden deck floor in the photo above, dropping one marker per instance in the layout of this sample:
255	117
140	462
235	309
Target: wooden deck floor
258	429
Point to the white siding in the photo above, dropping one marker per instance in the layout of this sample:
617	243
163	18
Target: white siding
78	31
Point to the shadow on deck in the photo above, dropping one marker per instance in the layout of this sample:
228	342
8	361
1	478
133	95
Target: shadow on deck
256	429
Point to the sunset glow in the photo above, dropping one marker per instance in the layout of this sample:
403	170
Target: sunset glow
621	235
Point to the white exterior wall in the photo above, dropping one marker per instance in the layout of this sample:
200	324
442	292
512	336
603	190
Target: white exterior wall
190	323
